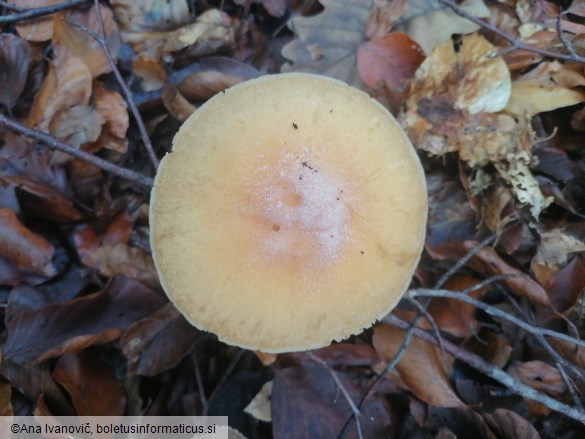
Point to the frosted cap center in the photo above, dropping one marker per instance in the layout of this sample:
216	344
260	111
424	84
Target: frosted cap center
303	209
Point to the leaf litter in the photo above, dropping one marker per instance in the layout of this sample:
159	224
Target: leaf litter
497	122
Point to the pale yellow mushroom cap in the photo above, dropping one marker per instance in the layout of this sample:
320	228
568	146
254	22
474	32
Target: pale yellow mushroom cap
290	213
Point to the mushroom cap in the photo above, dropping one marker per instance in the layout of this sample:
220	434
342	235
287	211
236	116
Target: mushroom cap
291	212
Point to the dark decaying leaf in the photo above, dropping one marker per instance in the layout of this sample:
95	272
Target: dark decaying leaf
159	342
510	425
23	248
91	384
539	375
567	284
5	404
50	331
35	381
15	60
306	403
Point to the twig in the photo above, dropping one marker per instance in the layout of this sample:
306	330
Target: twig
226	374
493	311
515	44
101	40
492	371
27	14
568	46
352	406
199	380
52	142
10	7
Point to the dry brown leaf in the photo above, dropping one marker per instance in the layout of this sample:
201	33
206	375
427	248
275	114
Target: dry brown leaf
430	23
68	83
540	376
151	15
553	251
420	368
15	58
259	407
91	384
383	15
176	104
543	89
508	424
39	29
389	60
211	31
149	70
327	43
82	44
5	404
112	106
22	248
206	83
488	261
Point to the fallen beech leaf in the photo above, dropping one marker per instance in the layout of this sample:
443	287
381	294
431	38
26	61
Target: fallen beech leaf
430	23
5	404
327	43
82	44
91	384
77	126
545	88
389	60
112	106
22	248
148	69
306	403
212	30
510	425
555	247
159	342
259	407
51	331
15	60
151	15
540	376
35	381
68	83
383	15
454	316
566	286
38	29
420	368
206	83
42	200
488	261
176	104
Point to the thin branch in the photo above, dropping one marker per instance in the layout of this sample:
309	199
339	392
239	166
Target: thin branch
226	374
492	371
52	142
101	40
352	406
28	14
515	44
493	311
199	380
568	46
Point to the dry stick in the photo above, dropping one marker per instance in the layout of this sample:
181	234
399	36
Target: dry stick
352	406
199	381
52	142
101	40
226	374
492	371
568	46
27	14
516	45
409	333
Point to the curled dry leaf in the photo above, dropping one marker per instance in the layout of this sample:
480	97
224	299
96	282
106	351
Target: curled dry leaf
327	43
68	83
112	106
52	330
488	261
176	104
91	384
553	251
159	342
430	23
23	248
420	368
389	60
14	59
544	89
540	376
82	44
38	29
42	200
567	285
148	69
259	407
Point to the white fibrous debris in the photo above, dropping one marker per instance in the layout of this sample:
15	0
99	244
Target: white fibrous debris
305	210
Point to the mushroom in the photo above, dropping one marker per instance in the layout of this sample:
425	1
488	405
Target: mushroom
291	212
